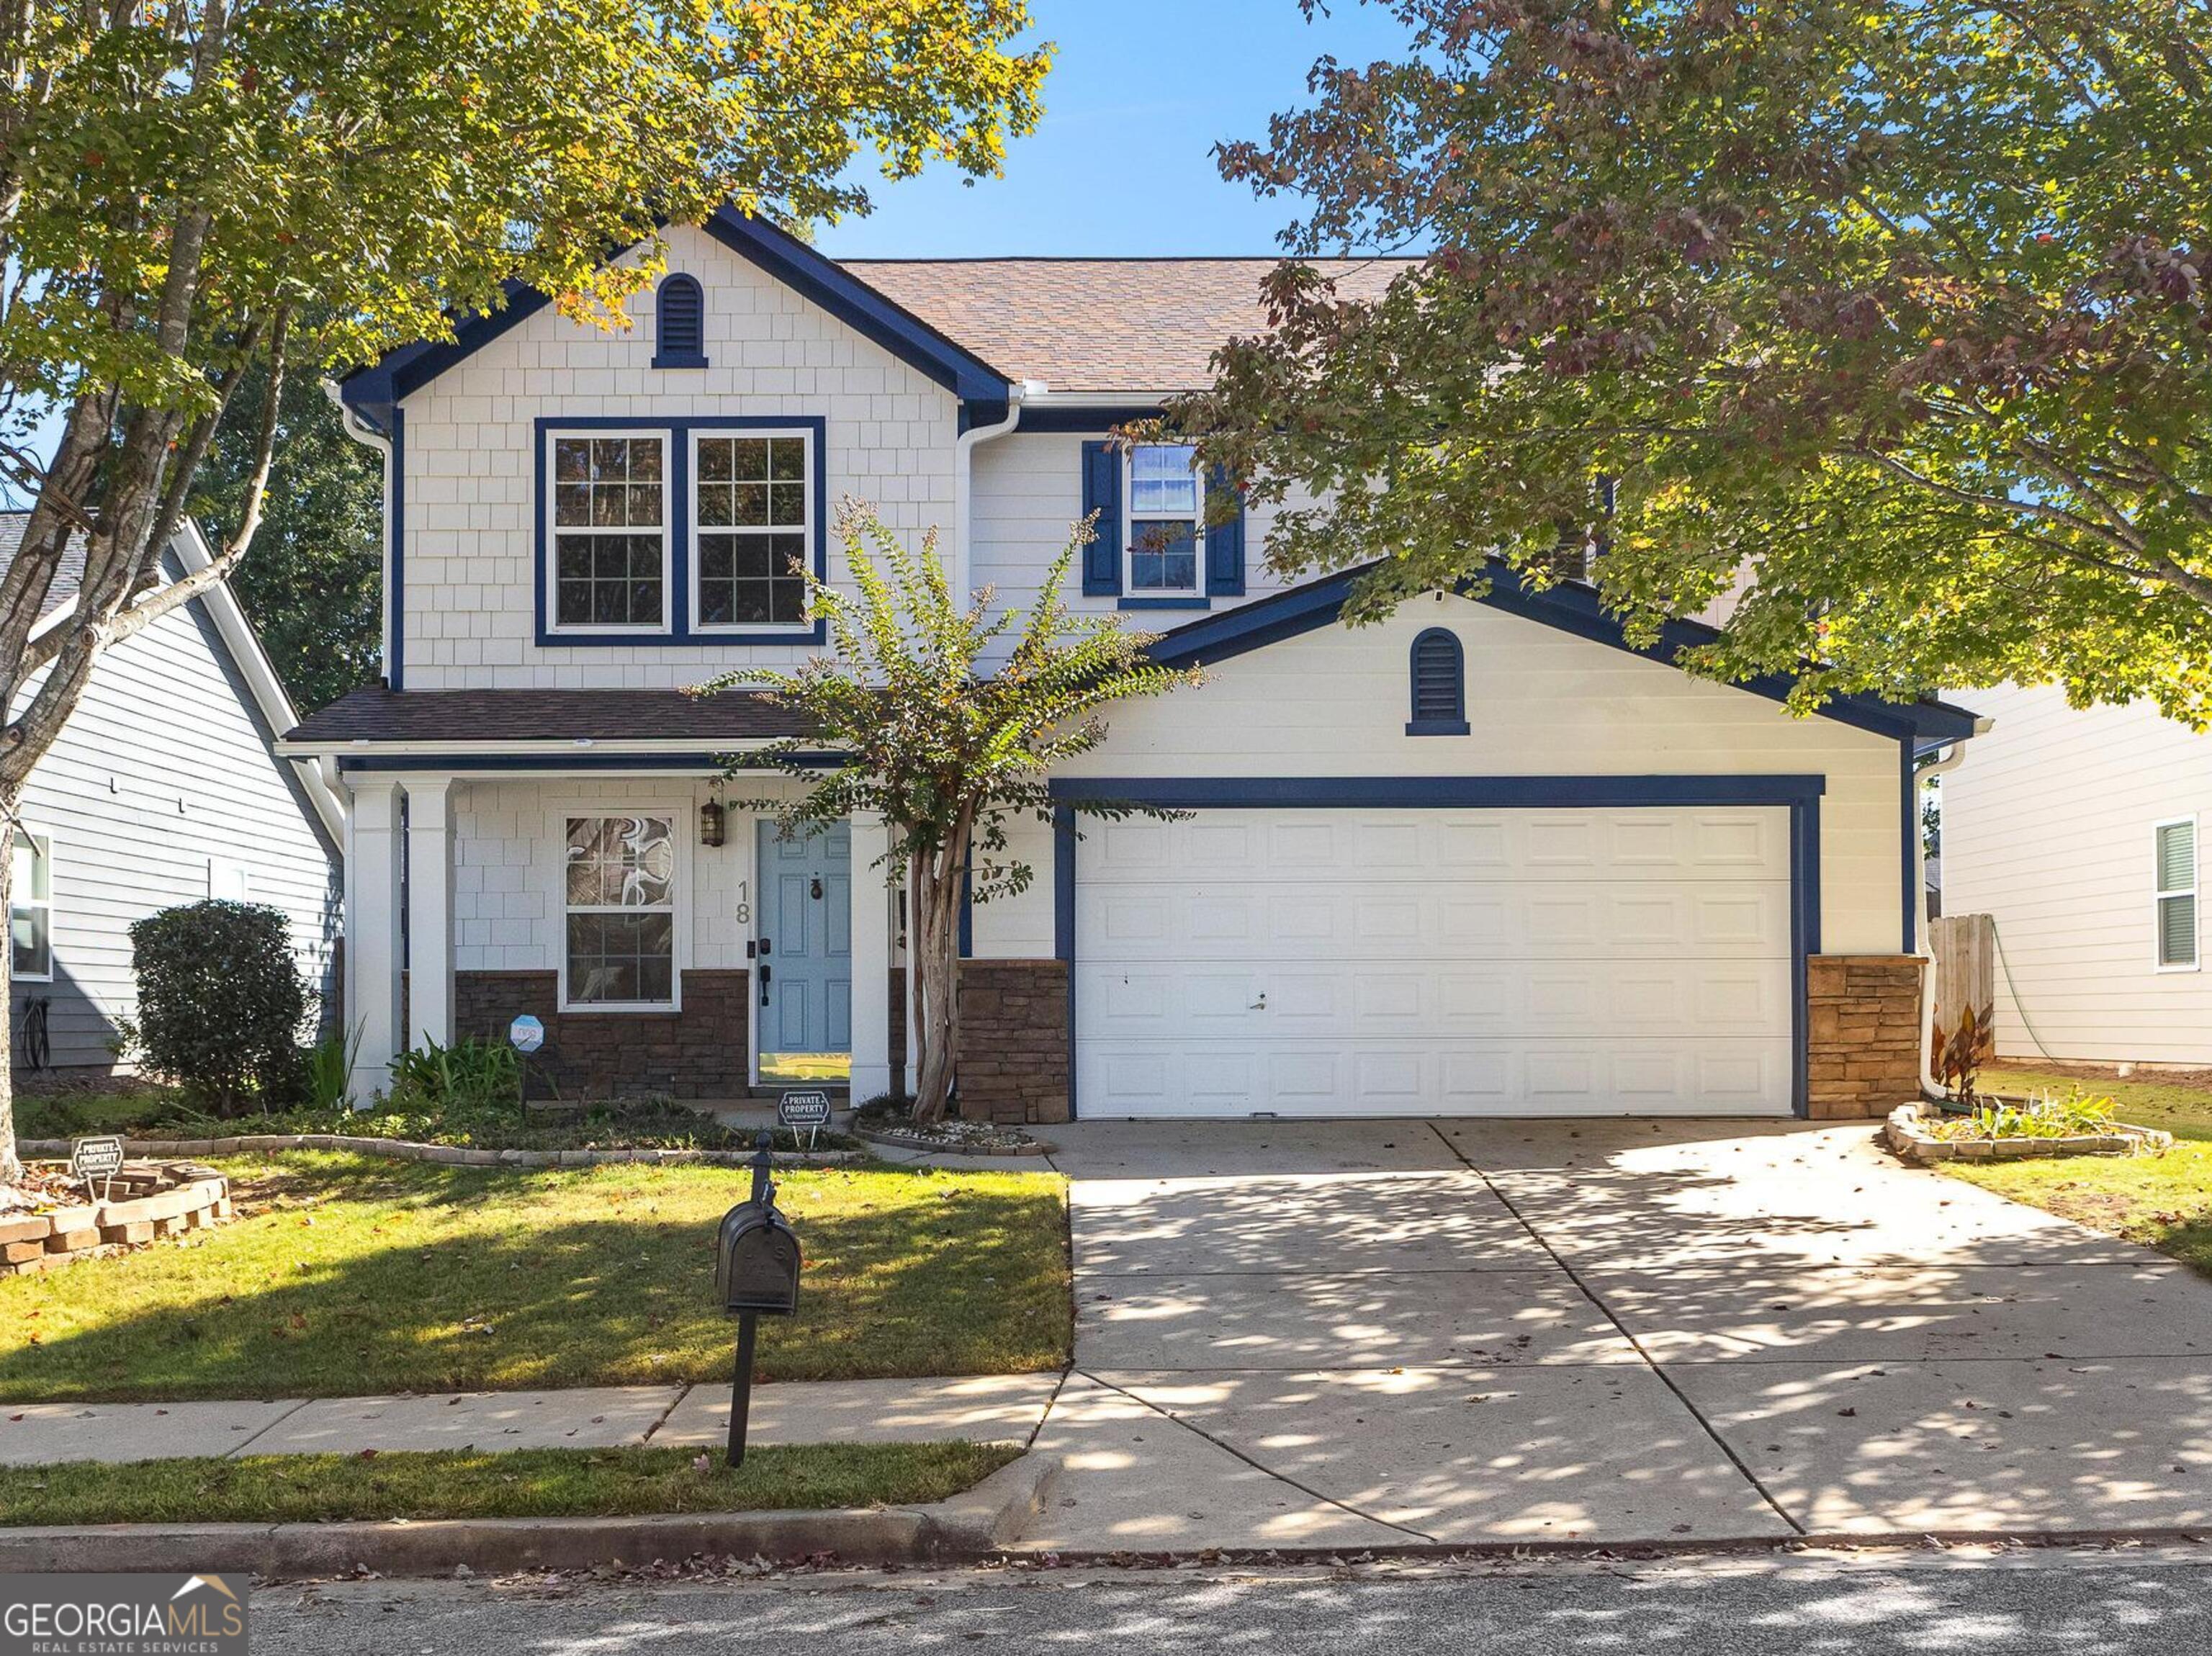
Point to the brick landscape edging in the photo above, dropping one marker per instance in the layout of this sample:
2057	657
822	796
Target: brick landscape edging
1904	1133
455	1156
32	1243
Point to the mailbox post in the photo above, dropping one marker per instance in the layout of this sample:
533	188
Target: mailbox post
756	1262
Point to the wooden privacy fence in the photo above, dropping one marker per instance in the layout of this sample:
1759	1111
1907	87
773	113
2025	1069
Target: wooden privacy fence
1965	970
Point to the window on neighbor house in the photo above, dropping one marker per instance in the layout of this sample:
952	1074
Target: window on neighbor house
31	916
2176	844
1166	518
610	532
753	505
621	904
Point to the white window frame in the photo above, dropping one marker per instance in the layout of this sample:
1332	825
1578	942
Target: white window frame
43	844
804	625
555	628
682	815
2158	898
1129	587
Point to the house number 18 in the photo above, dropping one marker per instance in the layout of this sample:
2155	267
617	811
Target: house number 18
744	904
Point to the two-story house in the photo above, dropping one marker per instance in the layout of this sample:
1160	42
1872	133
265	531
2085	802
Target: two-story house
1481	858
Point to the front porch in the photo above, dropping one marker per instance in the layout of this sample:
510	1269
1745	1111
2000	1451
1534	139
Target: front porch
594	902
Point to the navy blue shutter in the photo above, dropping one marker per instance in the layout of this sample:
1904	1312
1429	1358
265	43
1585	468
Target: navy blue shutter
1101	493
1224	544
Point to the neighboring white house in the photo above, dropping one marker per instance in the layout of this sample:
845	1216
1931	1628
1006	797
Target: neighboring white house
2075	830
163	788
1481	858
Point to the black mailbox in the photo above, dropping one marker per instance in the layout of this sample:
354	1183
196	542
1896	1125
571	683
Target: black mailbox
756	1261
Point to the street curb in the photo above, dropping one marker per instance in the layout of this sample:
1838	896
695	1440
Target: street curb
970	1525
408	1150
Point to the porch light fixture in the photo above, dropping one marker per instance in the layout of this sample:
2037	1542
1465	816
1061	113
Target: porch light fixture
710	823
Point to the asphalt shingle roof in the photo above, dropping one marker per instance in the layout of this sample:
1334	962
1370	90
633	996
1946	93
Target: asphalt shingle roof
1116	325
610	716
68	575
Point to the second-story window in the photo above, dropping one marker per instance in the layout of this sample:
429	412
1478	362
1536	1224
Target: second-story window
1166	519
754	504
609	531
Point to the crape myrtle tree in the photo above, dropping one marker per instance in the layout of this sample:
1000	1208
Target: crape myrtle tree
948	719
1892	314
201	194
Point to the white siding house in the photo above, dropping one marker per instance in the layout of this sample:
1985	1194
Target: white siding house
1483	857
2075	830
163	788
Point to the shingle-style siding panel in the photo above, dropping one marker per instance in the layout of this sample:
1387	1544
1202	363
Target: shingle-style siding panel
2047	828
163	766
1540	702
508	858
1029	495
470	529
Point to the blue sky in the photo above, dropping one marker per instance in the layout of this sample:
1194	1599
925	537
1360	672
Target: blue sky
1139	92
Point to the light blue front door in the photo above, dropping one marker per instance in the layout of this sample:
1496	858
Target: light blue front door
806	941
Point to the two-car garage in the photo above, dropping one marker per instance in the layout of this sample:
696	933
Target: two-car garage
1406	960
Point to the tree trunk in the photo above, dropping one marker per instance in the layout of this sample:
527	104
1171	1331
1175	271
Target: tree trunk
934	930
11	1165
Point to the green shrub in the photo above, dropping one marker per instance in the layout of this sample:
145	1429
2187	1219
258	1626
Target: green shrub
221	1000
327	1069
2044	1115
468	1076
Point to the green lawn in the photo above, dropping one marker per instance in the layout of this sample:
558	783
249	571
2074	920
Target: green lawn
353	1274
2162	1201
481	1484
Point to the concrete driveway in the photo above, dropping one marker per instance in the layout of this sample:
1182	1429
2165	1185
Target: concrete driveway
1341	1335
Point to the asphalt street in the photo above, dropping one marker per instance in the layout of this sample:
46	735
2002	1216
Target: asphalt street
2083	1602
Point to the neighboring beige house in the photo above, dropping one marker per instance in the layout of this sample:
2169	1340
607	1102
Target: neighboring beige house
2075	830
1482	858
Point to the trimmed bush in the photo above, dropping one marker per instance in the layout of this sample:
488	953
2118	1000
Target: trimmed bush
221	1000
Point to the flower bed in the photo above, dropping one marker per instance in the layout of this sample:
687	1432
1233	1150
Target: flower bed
143	1201
887	1124
1920	1134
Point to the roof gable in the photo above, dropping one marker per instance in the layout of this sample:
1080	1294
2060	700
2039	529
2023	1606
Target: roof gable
1570	607
376	390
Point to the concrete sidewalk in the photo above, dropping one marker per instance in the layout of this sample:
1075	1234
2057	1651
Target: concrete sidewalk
982	1409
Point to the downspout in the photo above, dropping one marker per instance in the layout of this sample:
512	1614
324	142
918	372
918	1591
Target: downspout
1931	1088
958	578
367	435
964	484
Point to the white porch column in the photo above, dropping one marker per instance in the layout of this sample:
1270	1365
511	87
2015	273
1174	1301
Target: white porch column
430	911
372	933
871	958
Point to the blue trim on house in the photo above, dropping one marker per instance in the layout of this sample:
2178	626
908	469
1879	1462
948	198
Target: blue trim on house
716	764
1800	794
1063	930
1568	607
1099	420
1197	793
1804	942
857	305
1908	780
783	256
1190	600
680	629
966	914
1452	721
689	351
395	666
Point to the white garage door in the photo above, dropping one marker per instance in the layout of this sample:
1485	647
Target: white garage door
1435	962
